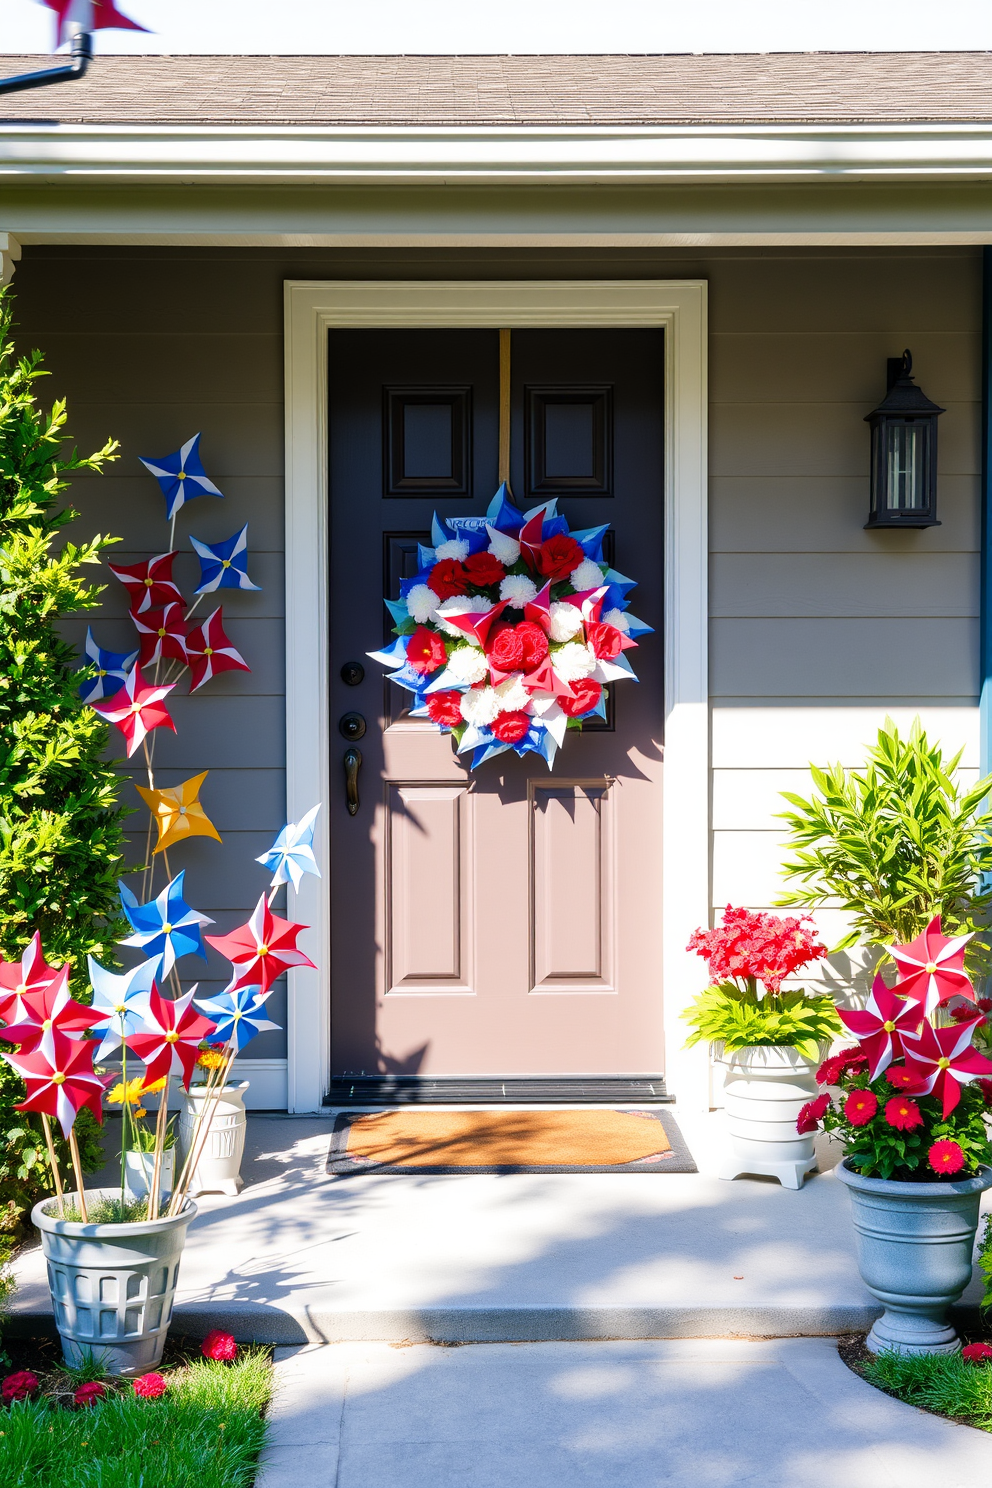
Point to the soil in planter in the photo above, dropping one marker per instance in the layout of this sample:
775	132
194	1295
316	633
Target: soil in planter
937	1397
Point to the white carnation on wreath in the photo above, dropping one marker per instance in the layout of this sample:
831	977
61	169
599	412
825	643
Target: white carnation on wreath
618	620
461	604
513	695
505	548
468	664
566	620
588	575
518	590
481	706
455	547
573	660
421	601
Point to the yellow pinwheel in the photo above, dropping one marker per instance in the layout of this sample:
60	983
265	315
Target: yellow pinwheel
178	813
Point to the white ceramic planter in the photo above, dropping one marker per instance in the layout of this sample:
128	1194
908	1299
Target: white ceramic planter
219	1167
112	1286
138	1170
914	1244
766	1087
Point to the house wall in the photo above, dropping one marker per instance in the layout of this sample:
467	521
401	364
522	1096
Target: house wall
818	628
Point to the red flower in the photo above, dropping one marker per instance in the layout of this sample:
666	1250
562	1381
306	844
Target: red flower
902	1113
425	651
559	556
966	1014
860	1107
946	1157
218	1345
445	707
812	1114
483	569
506	648
985	1005
535	643
756	945
89	1393
985	1086
832	1069
510	728
447	578
977	1353
902	1078
19	1386
587	693
150	1386
605	640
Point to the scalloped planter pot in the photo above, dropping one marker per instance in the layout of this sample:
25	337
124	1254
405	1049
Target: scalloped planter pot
112	1285
766	1087
915	1244
218	1169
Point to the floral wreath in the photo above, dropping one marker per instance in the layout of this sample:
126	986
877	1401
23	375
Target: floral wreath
510	630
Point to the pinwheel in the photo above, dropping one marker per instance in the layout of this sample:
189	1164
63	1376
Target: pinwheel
166	926
90	15
178	813
941	1060
123	999
112	668
238	1014
208	651
264	947
136	709
932	967
149	584
181	476
171	1032
882	1025
60	1080
224	565
31	974
291	855
48	1011
162	632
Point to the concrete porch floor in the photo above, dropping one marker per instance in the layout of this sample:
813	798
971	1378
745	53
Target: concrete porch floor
301	1257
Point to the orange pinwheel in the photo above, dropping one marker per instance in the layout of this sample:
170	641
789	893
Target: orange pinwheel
178	813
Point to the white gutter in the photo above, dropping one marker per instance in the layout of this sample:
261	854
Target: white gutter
495	154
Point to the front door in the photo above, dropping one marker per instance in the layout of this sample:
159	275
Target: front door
504	921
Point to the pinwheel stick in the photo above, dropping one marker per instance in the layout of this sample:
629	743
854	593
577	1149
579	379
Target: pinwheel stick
161	1127
78	1169
46	1127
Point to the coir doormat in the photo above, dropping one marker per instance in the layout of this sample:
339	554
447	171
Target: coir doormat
583	1141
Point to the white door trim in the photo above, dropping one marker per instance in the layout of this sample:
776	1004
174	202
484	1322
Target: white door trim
679	306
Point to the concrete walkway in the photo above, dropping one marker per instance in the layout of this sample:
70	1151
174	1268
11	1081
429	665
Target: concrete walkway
676	1414
302	1257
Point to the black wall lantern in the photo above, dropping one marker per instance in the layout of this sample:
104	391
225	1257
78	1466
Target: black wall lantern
903	452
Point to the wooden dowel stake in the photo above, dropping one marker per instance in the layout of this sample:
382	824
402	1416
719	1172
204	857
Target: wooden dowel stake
78	1169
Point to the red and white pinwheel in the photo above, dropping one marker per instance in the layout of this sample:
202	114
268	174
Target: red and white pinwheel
263	948
941	1060
136	709
931	967
882	1025
60	1079
49	1011
208	651
170	1031
30	974
150	584
162	632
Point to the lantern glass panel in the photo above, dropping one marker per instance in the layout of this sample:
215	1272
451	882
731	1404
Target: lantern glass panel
907	455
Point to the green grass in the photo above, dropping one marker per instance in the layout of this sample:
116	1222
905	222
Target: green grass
942	1383
205	1433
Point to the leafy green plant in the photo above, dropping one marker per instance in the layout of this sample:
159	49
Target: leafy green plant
985	1263
726	1014
60	821
943	1383
894	844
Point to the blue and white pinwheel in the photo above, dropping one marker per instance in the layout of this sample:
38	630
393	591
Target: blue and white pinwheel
291	855
224	565
239	1016
166	926
181	476
124	997
112	668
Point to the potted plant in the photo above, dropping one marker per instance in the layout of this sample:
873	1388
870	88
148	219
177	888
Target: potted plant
218	1166
769	1040
138	1140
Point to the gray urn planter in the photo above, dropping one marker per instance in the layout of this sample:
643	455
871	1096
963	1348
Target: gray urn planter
914	1245
112	1285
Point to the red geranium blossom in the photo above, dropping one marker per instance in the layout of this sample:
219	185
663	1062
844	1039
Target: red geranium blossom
759	946
506	648
425	651
831	1069
19	1386
535	644
483	569
967	1015
977	1353
89	1393
946	1157
150	1386
558	557
902	1078
218	1345
903	1113
812	1114
860	1107
586	694
447	578
445	707
984	1005
985	1086
605	640
510	728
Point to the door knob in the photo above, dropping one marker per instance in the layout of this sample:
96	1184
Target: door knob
352	765
352	673
352	726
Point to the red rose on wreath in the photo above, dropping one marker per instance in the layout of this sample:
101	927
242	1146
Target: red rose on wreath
425	651
535	644
506	648
946	1157
510	728
587	693
448	578
483	569
218	1345
445	707
605	640
559	556
19	1386
89	1393
860	1107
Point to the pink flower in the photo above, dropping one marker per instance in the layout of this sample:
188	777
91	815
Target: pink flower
946	1157
860	1107
761	946
977	1353
150	1386
812	1114
832	1069
218	1345
19	1386
902	1078
902	1113
89	1393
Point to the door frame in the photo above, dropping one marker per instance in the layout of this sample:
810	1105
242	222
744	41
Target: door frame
679	306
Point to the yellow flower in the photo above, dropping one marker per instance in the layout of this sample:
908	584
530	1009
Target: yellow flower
141	1111
154	1087
211	1059
131	1093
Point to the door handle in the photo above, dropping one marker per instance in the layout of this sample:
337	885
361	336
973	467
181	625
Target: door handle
352	765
